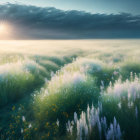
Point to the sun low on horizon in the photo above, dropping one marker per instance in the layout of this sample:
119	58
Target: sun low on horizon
5	30
2	27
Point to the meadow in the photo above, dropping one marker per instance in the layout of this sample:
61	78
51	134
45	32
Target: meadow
70	90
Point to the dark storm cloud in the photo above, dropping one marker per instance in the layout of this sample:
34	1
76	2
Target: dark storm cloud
37	22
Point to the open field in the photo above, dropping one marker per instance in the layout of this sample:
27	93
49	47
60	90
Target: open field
70	90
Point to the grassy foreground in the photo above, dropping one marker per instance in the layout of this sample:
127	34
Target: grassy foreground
70	90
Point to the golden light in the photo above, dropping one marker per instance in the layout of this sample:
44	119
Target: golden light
2	28
5	30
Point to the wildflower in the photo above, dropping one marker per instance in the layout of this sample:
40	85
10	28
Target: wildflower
47	124
100	106
114	132
46	92
21	130
30	125
25	130
115	73
75	117
129	95
136	112
119	105
57	122
130	104
48	134
102	85
23	118
118	136
72	122
69	127
13	108
54	109
104	123
99	127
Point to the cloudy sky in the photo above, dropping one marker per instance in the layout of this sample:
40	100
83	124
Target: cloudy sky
70	19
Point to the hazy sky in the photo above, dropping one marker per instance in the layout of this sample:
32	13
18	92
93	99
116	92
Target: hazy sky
70	19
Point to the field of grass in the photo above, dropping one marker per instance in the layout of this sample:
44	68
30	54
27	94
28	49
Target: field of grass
70	90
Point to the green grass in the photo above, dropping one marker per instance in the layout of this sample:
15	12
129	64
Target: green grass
122	101
68	92
65	93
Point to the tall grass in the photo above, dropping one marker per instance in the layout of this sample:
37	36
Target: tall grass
65	94
100	77
123	101
116	117
18	79
69	90
129	66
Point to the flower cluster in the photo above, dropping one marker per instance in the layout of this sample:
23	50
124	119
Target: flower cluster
91	121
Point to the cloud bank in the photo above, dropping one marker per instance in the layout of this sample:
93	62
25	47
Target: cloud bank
31	22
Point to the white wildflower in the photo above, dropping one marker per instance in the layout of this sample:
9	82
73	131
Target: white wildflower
114	132
21	130
30	125
75	117
119	105
23	118
57	122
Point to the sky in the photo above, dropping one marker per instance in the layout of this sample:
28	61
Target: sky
70	19
93	6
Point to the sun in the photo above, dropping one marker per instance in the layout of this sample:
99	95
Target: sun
3	28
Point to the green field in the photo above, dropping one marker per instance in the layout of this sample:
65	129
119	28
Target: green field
70	90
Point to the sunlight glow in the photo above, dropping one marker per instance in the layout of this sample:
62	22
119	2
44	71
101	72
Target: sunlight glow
5	30
2	28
